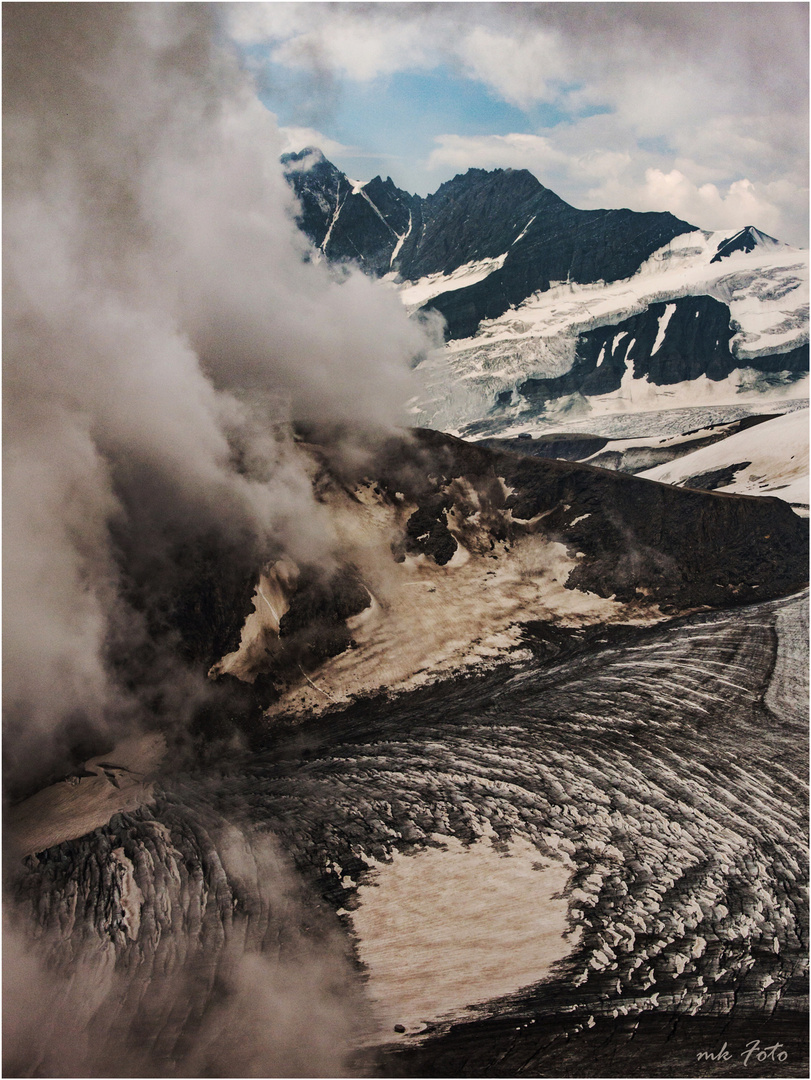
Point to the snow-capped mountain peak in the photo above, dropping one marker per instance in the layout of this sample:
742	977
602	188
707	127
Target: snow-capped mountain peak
747	239
552	311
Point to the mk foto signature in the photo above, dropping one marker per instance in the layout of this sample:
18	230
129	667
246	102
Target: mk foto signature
754	1052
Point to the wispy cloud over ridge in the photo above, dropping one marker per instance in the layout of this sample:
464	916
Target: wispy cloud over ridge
717	92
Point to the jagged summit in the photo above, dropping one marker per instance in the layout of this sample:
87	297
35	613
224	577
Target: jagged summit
501	224
553	308
310	155
746	240
490	176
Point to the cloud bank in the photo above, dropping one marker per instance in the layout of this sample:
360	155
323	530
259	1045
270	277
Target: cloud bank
714	92
162	327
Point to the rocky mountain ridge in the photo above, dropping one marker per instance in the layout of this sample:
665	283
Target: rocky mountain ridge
552	311
448	547
505	215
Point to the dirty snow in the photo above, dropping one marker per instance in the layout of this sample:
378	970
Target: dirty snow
428	913
776	449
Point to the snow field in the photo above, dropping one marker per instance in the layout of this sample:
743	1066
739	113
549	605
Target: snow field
776	452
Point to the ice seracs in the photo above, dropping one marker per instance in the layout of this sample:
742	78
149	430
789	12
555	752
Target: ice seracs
476	384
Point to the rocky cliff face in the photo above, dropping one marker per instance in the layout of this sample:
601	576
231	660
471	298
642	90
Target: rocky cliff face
560	244
550	308
631	538
745	240
367	224
505	215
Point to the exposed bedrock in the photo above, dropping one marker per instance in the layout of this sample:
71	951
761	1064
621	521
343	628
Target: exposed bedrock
561	244
678	546
668	343
428	496
628	538
566	447
314	626
506	215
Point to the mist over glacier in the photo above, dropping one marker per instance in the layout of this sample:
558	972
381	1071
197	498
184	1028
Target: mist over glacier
163	327
477	681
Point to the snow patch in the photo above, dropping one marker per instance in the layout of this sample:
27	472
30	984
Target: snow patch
78	805
401	240
425	912
260	630
664	319
777	456
339	202
416	293
523	232
432	620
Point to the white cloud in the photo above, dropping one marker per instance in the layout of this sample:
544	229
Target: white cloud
161	325
359	51
296	138
716	93
707	205
565	161
515	151
523	70
360	44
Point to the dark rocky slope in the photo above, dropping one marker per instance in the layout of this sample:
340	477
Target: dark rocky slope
476	216
679	547
745	240
562	244
342	224
631	539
